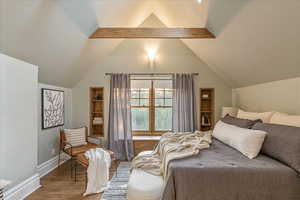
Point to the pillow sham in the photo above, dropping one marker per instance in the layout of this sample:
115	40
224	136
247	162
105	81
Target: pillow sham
247	141
285	119
242	123
264	116
282	143
76	137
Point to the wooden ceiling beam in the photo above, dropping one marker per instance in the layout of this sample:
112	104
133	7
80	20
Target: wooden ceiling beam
162	33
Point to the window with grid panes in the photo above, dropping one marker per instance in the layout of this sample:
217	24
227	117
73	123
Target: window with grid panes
151	106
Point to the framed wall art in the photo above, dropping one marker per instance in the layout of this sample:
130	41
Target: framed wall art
52	108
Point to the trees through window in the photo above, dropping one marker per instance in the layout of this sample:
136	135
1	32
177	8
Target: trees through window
151	107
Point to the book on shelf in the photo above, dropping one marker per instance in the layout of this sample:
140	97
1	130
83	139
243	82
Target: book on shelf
97	120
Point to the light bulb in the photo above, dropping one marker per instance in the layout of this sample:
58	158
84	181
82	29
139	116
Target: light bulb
151	55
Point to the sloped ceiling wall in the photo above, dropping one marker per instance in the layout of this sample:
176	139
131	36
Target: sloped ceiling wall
131	56
257	40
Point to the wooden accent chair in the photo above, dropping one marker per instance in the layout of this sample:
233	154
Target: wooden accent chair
72	151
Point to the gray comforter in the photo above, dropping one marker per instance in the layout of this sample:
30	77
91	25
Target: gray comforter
222	173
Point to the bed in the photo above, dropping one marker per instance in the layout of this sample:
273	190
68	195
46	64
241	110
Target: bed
239	164
222	173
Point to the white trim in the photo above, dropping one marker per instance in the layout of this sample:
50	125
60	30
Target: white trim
23	189
156	138
48	166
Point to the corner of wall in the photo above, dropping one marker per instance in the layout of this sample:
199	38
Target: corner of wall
234	98
48	139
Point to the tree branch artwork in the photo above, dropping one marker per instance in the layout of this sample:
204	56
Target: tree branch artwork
53	108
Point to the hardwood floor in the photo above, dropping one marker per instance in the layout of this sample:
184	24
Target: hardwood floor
59	185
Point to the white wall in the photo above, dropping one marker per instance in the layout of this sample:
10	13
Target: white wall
2	116
130	56
48	139
18	86
282	96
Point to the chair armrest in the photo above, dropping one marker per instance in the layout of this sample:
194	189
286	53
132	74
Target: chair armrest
67	144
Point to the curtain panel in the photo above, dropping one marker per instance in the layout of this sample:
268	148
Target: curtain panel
184	103
119	125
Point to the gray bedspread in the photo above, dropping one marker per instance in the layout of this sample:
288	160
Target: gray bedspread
222	173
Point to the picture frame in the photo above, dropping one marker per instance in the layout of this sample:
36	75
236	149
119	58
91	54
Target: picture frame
53	108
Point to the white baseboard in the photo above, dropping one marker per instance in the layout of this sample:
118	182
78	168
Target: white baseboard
22	190
25	188
48	166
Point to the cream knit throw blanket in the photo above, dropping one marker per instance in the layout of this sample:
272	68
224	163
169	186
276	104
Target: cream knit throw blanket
170	147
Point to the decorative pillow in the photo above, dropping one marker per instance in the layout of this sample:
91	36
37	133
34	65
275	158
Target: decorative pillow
247	141
265	116
242	123
76	137
282	143
232	111
285	119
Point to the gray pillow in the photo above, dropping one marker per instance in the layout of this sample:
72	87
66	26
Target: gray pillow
282	143
242	123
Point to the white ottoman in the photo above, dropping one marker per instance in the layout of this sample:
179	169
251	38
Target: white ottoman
144	186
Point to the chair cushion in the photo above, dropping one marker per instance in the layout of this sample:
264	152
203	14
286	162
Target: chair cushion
76	137
242	123
80	149
83	160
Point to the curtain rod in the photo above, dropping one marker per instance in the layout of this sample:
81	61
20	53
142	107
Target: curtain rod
150	74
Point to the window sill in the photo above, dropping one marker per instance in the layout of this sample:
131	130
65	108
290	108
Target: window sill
137	138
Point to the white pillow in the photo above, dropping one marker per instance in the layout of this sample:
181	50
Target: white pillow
264	116
76	137
285	119
247	141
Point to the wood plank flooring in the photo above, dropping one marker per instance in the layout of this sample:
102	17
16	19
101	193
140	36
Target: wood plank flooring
58	185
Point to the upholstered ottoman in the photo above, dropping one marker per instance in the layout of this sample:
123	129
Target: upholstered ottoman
144	186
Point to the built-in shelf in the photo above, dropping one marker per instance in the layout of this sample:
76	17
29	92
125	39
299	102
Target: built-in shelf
206	99
206	108
95	136
205	124
96	112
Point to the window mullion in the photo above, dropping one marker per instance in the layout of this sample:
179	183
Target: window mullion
152	109
164	97
139	97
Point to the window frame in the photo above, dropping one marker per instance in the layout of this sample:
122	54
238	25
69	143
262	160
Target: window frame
140	131
152	107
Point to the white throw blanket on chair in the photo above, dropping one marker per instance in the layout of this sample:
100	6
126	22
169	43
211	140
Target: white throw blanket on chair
98	170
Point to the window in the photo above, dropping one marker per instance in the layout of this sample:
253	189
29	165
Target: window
163	109
151	106
140	109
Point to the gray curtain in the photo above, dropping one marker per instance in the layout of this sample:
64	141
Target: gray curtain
184	106
119	125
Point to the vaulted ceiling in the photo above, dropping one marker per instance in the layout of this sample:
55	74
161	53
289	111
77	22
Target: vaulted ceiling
257	40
